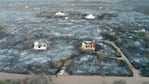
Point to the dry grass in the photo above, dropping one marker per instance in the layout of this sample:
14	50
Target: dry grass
146	82
119	82
37	79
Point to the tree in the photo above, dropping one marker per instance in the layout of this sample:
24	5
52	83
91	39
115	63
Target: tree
57	64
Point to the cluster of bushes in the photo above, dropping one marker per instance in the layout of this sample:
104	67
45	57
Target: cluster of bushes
57	64
60	63
143	35
29	44
2	29
115	38
100	56
144	70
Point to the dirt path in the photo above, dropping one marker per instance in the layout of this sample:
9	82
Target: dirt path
67	79
132	68
96	80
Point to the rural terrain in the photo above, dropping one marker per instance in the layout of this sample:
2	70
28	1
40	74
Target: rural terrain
120	31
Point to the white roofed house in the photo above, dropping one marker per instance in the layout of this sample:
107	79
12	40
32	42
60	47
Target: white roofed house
90	17
60	14
40	46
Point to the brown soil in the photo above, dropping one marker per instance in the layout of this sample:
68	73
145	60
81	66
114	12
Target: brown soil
96	80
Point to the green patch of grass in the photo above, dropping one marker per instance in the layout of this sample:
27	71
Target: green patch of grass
57	64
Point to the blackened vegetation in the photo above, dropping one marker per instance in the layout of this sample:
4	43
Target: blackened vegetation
136	50
90	65
99	63
144	70
142	9
40	68
135	45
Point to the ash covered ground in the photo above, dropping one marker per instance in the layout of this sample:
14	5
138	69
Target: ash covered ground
22	26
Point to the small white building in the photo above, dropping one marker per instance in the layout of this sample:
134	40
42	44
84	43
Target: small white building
40	46
90	17
62	71
66	18
60	14
141	31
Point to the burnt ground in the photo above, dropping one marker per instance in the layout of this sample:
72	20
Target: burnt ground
24	27
142	9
